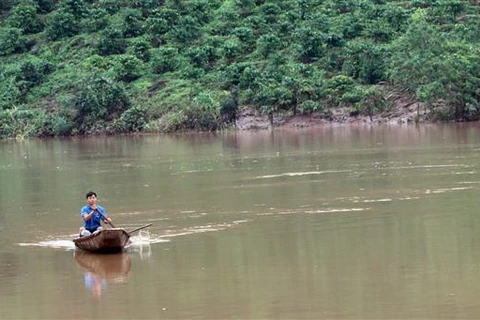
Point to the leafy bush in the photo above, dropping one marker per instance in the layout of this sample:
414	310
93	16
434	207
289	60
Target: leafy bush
9	92
97	20
164	59
229	107
127	67
11	41
99	98
268	44
24	16
131	22
111	42
112	6
62	24
6	4
202	56
199	118
55	125
77	8
21	123
366	61
371	102
140	48
45	6
434	68
310	106
159	23
31	73
132	120
187	31
341	89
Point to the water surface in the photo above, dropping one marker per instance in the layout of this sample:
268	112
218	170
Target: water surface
334	222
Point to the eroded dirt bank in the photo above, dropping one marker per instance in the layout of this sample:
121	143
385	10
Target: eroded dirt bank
403	110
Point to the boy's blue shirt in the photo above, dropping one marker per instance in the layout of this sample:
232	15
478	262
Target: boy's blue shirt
96	221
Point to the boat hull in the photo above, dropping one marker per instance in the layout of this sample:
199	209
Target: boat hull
104	241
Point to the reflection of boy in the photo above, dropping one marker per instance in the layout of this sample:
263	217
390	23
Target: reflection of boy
95	283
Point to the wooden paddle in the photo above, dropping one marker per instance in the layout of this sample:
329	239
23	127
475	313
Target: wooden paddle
104	218
129	232
136	229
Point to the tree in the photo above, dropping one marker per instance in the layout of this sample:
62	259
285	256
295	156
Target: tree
435	69
229	107
366	61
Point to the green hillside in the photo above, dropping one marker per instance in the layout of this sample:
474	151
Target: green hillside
113	66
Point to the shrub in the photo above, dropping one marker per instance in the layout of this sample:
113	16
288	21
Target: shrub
112	6
268	44
127	67
140	48
11	41
9	92
132	120
99	98
97	20
6	4
55	125
366	61
131	22
62	24
161	21
45	6
111	42
77	8
24	16
229	107
21	123
31	73
164	59
202	56
309	106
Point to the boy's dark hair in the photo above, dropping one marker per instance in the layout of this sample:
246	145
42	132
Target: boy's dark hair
90	193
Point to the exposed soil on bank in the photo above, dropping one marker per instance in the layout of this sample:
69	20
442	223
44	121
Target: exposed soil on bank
403	110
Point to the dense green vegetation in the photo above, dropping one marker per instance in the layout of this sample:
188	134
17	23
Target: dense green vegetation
115	66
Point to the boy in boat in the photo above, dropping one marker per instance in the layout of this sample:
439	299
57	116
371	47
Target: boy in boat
92	215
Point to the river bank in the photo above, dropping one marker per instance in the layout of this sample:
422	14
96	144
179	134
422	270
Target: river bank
403	110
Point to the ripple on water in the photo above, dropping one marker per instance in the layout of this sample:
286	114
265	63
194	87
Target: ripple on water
338	210
296	174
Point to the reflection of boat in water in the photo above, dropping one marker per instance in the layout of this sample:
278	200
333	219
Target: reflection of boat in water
106	240
114	267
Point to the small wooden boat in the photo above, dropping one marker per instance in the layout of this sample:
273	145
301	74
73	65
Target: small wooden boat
106	241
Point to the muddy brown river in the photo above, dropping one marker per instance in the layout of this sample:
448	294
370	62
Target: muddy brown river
322	223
